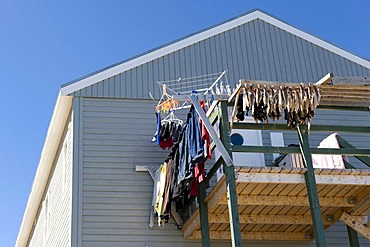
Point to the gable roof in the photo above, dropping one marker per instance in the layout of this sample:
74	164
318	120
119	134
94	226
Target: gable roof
202	35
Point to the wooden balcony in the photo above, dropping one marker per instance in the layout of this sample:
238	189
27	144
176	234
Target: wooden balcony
273	203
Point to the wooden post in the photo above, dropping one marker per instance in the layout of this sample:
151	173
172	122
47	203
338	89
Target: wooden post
229	171
353	237
344	144
311	186
203	212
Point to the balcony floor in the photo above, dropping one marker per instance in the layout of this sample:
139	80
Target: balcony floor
273	203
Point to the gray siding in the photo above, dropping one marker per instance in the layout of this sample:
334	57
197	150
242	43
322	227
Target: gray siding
115	198
53	224
255	51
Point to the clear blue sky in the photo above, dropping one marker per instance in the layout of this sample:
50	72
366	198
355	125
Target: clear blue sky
44	44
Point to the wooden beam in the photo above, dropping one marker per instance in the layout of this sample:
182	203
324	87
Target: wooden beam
331	128
357	152
310	179
217	235
229	171
353	237
352	81
176	215
289	178
191	225
234	108
326	79
290	201
343	143
343	108
269	219
362	207
203	213
218	191
355	225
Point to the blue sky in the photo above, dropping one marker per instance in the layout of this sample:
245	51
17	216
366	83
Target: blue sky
44	44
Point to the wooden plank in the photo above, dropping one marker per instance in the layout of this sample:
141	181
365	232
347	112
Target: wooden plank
217	192
229	171
355	225
269	219
357	152
311	186
259	188
240	187
266	228
343	143
223	227
345	190
257	210
203	213
256	228
249	209
325	80
234	109
276	210
191	225
292	189
362	207
278	189
279	178
332	201
267	210
331	128
248	189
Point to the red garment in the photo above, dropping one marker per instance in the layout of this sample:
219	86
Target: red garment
168	143
194	187
199	168
205	134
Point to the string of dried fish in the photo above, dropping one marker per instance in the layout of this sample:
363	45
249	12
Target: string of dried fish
270	101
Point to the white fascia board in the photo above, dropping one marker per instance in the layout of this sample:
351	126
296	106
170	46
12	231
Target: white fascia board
54	135
316	41
88	81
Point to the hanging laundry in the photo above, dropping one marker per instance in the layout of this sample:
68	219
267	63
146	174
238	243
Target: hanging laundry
159	202
153	211
168	131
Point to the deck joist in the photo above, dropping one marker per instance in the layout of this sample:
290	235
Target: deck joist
273	203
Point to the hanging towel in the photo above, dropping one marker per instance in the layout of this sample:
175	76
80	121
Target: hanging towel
329	161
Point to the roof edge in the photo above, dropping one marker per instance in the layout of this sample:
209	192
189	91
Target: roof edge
54	135
107	72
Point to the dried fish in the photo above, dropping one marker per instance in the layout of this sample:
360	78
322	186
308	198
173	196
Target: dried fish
245	101
280	99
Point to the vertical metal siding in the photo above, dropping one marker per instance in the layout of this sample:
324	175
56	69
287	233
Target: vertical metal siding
256	51
116	198
59	191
